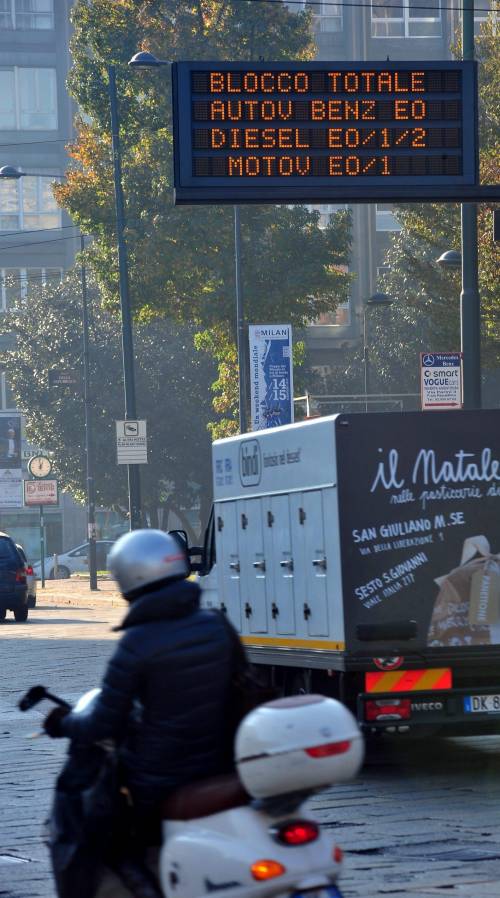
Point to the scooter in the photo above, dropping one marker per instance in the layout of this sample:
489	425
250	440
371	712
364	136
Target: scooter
251	834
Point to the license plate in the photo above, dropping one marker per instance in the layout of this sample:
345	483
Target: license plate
324	892
482	704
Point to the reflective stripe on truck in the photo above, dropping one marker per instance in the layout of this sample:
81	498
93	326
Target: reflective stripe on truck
408	680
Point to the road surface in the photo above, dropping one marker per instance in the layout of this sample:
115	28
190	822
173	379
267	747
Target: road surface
421	820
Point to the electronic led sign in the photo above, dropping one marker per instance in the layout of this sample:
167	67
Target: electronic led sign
291	131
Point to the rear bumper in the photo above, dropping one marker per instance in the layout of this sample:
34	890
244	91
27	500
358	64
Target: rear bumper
15	599
444	710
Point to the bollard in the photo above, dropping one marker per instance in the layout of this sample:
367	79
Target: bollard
55	568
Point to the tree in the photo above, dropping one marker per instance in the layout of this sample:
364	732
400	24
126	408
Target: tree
427	294
182	259
169	375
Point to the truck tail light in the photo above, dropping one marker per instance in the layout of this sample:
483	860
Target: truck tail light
388	709
296	832
21	575
331	748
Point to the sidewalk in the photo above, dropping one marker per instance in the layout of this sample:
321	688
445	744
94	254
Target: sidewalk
76	591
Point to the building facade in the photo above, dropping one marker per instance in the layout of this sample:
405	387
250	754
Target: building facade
37	239
376	30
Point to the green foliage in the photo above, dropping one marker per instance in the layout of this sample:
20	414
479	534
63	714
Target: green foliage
170	375
182	259
428	297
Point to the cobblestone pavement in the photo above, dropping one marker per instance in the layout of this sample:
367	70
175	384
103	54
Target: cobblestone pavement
421	820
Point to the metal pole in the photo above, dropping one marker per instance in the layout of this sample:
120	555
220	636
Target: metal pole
240	326
365	358
470	303
134	483
42	546
89	444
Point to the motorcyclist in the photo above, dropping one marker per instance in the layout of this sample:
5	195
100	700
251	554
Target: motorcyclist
165	690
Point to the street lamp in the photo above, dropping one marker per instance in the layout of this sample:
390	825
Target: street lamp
139	60
378	300
134	481
145	59
450	259
8	172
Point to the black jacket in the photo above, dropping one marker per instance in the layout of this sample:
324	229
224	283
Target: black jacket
165	692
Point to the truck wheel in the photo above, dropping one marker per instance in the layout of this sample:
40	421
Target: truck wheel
21	614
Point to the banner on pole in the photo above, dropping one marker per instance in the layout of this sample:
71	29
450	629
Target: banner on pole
271	375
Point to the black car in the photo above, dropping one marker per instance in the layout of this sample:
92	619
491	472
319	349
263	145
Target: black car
30	577
13	582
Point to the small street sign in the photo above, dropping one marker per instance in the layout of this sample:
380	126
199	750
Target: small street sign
11	489
131	443
441	380
64	377
40	492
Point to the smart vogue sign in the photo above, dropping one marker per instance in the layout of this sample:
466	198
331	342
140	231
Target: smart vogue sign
284	131
441	380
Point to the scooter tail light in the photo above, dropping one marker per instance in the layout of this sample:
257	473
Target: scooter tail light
331	748
388	709
266	869
296	832
337	854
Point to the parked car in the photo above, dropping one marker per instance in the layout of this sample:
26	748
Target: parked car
30	577
13	581
74	561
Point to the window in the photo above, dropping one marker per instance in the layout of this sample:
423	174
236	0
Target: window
28	204
28	99
326	210
406	18
341	316
14	284
482	11
28	15
327	16
7	401
385	219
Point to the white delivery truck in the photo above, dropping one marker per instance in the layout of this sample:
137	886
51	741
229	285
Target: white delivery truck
357	556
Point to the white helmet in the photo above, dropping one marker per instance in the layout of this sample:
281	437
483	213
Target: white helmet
143	557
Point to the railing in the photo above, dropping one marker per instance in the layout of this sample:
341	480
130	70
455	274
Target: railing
311	405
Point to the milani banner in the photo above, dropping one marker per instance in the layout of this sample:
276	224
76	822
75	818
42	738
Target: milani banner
271	375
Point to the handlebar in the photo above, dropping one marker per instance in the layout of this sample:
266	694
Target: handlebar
37	694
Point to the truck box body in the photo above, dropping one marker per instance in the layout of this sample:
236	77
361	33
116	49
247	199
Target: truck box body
366	543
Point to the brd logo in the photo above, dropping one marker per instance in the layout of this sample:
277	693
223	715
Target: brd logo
250	463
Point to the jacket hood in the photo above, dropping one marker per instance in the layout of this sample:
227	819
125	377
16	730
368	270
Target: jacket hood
177	600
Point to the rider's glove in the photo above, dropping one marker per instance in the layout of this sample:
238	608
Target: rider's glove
52	723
